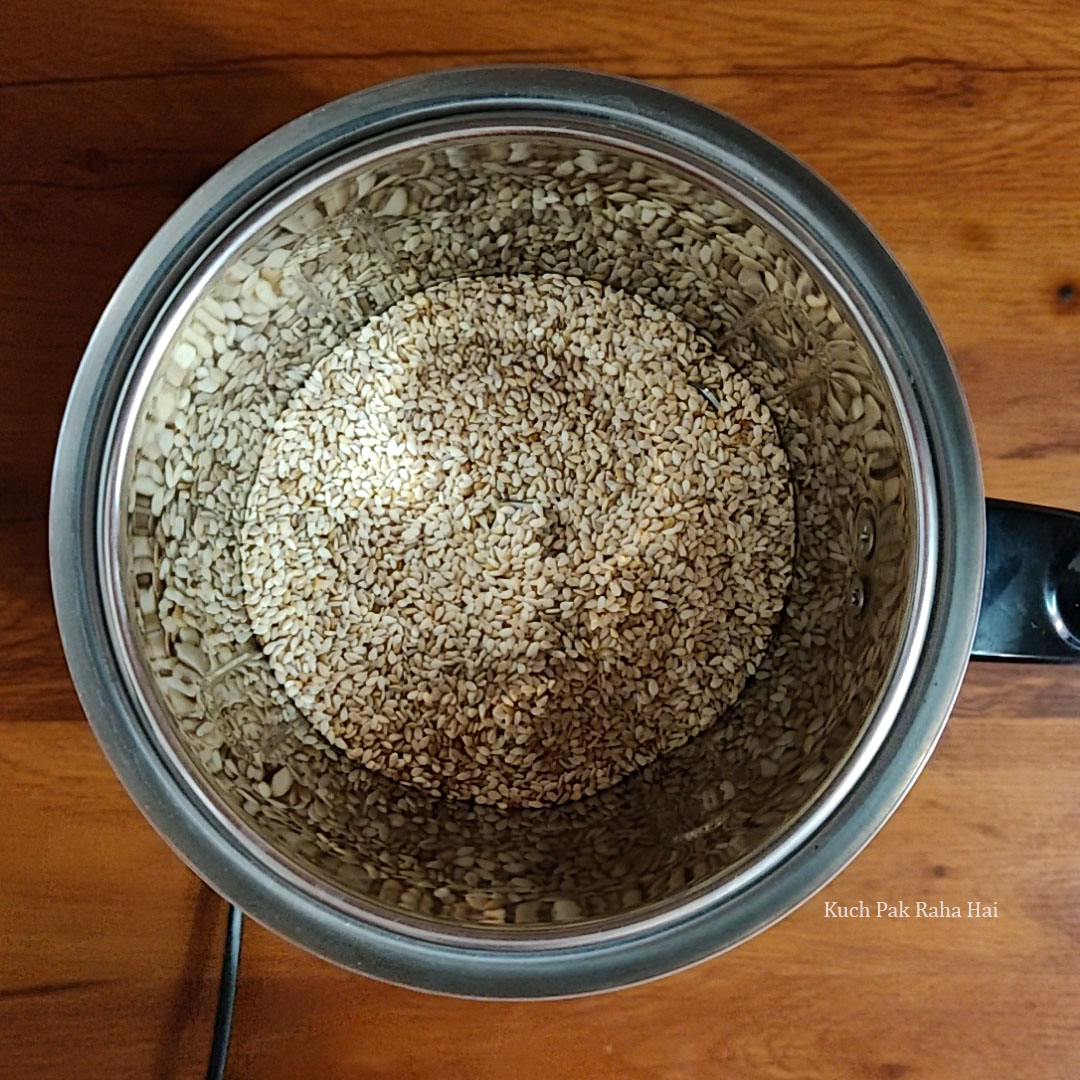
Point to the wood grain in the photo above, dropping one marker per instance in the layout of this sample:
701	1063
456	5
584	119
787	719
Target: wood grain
955	129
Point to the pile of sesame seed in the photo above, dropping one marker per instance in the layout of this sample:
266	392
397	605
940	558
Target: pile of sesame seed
307	284
518	537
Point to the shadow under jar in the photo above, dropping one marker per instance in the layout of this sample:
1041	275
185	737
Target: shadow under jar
288	252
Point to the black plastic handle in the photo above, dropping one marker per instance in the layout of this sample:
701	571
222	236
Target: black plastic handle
1031	591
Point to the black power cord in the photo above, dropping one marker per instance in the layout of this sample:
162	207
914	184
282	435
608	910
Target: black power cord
223	1017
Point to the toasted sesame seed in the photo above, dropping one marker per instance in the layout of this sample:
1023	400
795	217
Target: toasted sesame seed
297	302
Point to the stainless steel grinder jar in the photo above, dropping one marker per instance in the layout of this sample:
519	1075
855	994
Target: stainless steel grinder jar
519	170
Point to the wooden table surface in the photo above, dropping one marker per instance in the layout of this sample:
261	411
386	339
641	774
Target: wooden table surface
955	129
